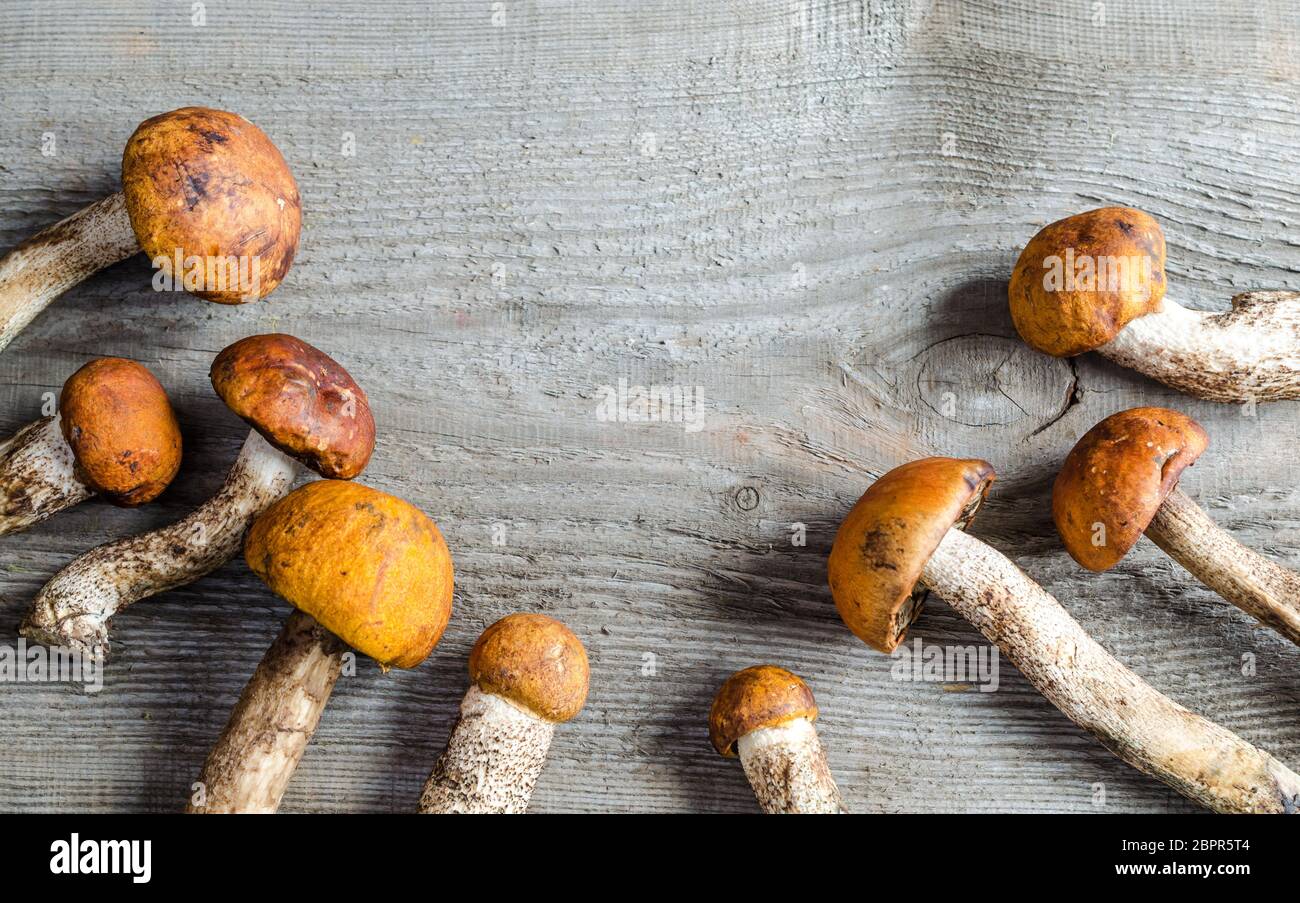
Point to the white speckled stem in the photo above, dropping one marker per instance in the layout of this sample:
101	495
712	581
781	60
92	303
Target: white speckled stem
1151	732
492	761
787	768
37	476
57	258
1250	353
1248	580
253	761
74	608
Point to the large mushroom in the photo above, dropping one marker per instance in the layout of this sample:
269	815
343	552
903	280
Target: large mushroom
906	536
363	569
527	674
1096	282
114	434
1121	480
201	186
302	406
765	715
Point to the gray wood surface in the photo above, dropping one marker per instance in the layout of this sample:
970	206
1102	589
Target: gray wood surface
807	209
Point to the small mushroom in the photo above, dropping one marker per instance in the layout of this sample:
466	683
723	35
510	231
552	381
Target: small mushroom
906	536
302	406
1121	480
197	185
765	714
1096	282
114	434
363	569
527	674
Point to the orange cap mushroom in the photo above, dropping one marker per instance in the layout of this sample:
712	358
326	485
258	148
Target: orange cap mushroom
300	400
887	537
1062	311
115	416
535	662
370	567
209	184
1115	479
757	697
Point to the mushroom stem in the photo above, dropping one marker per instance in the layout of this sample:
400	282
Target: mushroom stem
251	764
1154	734
74	607
1249	353
1253	583
787	768
57	258
492	760
37	476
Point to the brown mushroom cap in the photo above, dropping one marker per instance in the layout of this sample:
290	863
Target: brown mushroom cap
1064	320
757	697
1116	477
535	662
890	534
123	433
368	566
300	400
208	184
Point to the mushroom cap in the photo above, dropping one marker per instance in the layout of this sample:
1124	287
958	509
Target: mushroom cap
890	534
1117	476
368	566
757	697
533	661
115	416
209	184
1066	320
300	399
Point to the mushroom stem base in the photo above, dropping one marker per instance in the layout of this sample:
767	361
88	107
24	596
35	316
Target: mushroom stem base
787	768
73	609
37	476
492	761
57	258
1256	585
251	765
1246	354
1193	755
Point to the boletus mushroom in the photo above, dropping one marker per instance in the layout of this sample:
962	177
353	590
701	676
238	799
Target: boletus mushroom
1096	282
302	407
114	434
527	674
765	715
199	186
1121	480
906	536
363	569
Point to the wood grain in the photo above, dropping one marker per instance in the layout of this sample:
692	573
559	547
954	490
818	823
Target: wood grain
808	210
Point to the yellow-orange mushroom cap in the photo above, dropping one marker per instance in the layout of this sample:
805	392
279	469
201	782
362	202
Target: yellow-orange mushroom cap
1124	250
889	535
757	697
535	662
370	567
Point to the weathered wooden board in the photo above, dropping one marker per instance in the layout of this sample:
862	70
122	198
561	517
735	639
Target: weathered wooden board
808	210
